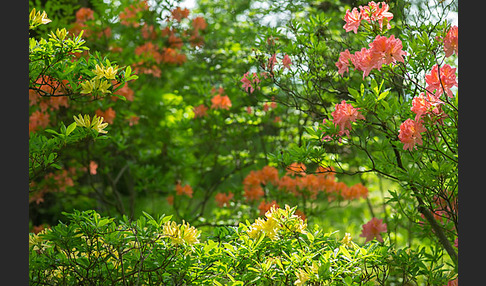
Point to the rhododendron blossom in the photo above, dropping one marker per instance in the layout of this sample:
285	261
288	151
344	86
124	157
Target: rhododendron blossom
451	42
200	111
386	50
425	104
343	62
447	80
343	116
220	102
184	190
223	199
373	229
370	13
108	115
286	61
373	12
248	84
409	134
353	20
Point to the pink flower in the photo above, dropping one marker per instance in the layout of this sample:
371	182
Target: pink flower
271	62
373	12
409	133
343	116
247	83
373	229
425	105
365	61
353	20
451	42
343	62
286	62
444	84
92	167
387	50
454	282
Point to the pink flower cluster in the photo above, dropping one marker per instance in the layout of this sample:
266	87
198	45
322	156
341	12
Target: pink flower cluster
439	81
382	51
343	115
248	84
371	13
373	229
451	42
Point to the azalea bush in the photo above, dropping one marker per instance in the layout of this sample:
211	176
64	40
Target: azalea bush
278	249
399	120
214	119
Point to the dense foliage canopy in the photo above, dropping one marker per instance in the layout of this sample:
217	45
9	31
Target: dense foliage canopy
243	142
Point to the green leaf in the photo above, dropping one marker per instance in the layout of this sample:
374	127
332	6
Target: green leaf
70	128
353	92
383	95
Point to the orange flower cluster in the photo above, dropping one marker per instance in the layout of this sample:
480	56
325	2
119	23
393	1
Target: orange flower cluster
125	91
183	190
299	183
47	93
223	199
128	16
200	111
52	182
264	206
108	115
82	15
252	184
220	101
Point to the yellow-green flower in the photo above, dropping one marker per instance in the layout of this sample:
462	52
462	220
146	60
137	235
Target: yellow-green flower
87	87
82	121
103	86
95	124
181	234
302	277
108	73
99	72
37	18
98	125
94	85
347	240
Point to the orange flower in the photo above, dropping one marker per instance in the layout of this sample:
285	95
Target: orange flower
223	199
84	14
200	111
108	115
133	120
199	23
296	169
222	102
451	42
38	119
269	174
92	167
186	190
264	207
252	179
253	192
355	192
300	214
124	91
178	14
170	199
287	183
